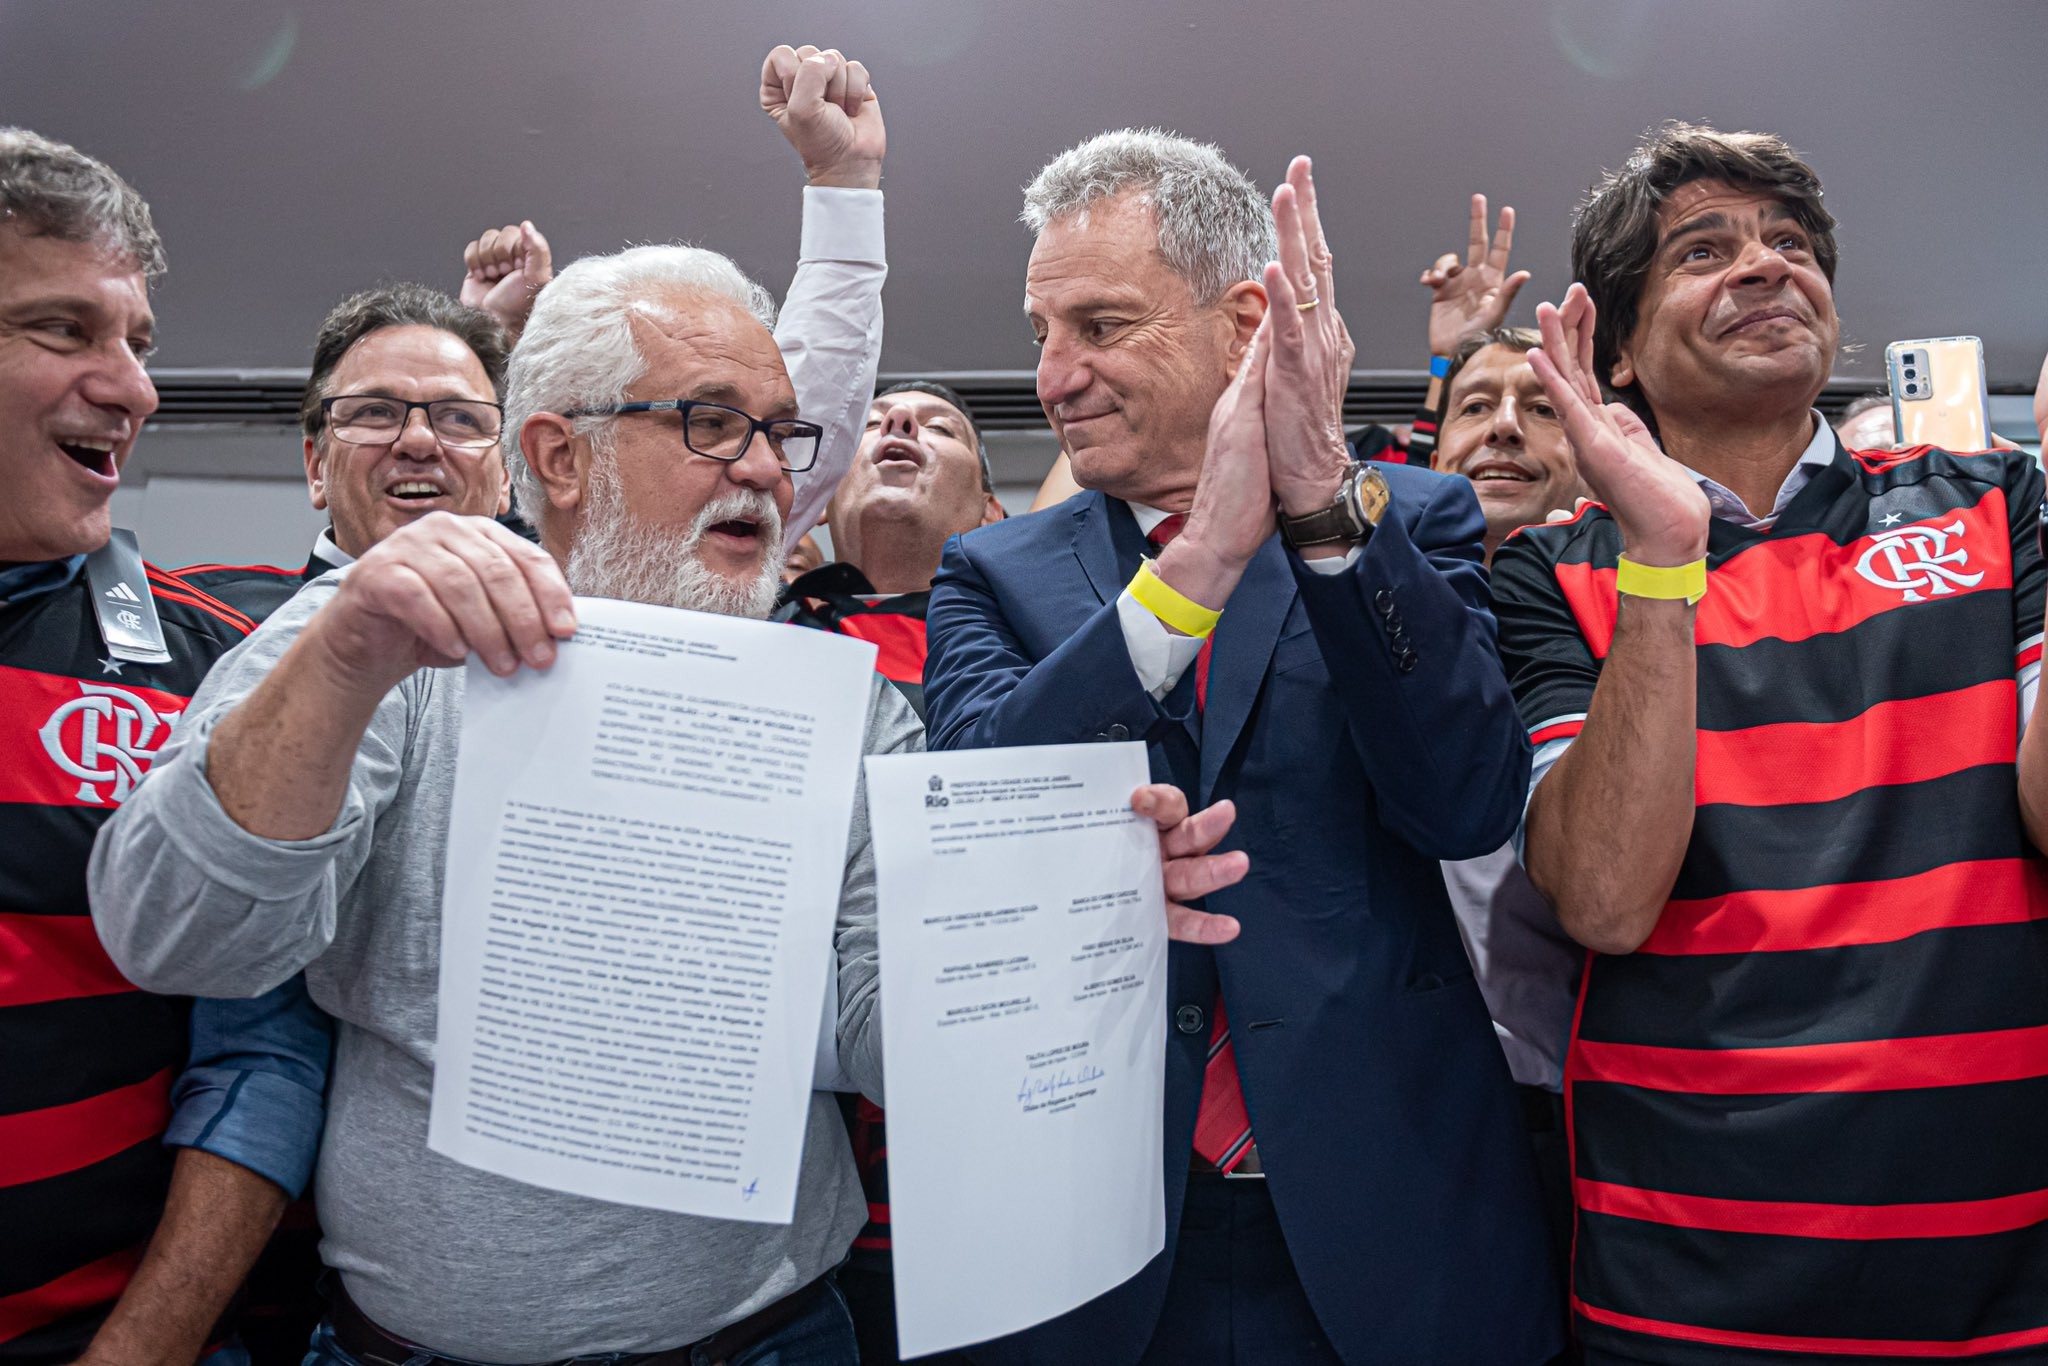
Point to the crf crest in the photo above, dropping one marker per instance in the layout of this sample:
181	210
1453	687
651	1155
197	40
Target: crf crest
109	749
1918	561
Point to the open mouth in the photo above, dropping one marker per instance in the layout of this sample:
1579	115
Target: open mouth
415	491
93	453
894	452
1501	474
738	528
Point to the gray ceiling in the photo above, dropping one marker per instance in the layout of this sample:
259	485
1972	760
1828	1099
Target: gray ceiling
294	152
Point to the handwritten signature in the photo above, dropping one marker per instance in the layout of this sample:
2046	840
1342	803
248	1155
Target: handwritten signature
1052	1087
751	1189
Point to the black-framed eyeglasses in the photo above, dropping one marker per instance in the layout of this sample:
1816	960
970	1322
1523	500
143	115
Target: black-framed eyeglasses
379	419
721	433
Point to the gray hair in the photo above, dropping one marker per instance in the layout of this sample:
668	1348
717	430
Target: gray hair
50	189
578	350
1215	227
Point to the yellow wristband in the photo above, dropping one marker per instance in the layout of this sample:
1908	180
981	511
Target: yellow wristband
1687	581
1177	610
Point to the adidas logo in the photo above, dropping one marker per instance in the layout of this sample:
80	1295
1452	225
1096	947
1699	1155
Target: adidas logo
121	592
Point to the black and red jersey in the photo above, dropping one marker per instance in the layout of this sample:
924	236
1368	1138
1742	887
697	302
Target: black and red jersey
255	590
86	1060
1807	1115
837	597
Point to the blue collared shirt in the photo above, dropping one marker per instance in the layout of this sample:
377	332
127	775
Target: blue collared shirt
254	1090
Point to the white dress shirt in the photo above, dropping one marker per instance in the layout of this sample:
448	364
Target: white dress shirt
1161	655
1527	966
330	554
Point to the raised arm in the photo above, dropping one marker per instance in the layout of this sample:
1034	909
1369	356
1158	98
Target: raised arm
1608	825
1465	298
830	327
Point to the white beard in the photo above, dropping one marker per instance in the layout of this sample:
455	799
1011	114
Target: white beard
616	556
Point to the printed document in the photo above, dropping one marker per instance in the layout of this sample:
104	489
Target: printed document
1023	945
644	862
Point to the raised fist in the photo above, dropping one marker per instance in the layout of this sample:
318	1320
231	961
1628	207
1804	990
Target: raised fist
824	105
506	268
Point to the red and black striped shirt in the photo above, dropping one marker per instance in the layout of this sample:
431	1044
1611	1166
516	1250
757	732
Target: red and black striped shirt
1806	1115
86	1060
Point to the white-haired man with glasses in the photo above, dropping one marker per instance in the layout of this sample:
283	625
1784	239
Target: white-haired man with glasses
301	822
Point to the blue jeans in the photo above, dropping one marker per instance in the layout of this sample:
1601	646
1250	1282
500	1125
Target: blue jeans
823	1337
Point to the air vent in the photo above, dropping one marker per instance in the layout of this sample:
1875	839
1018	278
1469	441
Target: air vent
1004	400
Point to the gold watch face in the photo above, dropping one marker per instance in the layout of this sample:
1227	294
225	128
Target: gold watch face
1372	495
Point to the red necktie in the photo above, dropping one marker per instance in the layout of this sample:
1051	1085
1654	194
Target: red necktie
1223	1126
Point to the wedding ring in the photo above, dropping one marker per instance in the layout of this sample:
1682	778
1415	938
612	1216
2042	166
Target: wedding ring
1307	306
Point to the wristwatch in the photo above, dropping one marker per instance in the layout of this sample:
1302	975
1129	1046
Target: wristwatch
1360	503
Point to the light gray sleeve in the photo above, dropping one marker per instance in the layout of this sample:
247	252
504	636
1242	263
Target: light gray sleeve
830	333
187	901
893	728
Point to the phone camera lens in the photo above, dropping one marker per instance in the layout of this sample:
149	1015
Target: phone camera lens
1912	374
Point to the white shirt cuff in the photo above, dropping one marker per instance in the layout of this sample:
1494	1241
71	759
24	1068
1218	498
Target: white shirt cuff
1334	564
1158	655
842	225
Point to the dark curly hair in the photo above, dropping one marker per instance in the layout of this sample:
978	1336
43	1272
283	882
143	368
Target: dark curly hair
1614	236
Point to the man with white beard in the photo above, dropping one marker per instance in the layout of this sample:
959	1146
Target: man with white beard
299	822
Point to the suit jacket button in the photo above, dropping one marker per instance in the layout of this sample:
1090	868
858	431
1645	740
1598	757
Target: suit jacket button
1188	1019
1117	731
1384	600
1406	663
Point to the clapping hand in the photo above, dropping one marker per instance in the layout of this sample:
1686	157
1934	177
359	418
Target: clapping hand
824	105
1473	296
1191	870
1233	511
1308	365
506	268
1662	511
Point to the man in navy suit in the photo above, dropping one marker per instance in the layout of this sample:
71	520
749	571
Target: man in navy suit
1311	642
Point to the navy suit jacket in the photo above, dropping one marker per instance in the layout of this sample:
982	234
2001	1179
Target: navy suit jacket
1363	726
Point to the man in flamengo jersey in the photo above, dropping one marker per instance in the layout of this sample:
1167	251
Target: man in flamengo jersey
921	475
114	1247
1787	792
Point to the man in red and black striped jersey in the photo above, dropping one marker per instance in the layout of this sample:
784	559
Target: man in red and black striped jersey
920	476
113	1249
1787	793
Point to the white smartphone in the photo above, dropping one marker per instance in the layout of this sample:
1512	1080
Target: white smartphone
1938	393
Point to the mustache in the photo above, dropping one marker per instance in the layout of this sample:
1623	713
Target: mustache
738	505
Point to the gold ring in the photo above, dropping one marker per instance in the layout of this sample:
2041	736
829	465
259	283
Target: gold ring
1303	308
